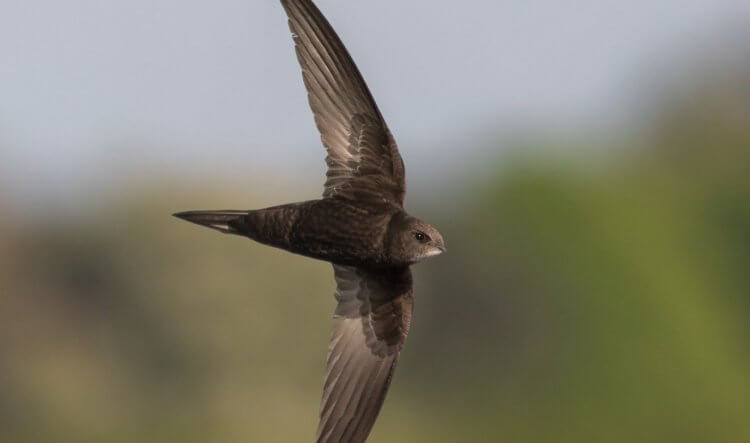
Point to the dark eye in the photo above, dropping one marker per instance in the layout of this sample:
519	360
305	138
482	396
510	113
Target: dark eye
421	237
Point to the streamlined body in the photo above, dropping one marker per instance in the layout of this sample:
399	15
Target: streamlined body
359	225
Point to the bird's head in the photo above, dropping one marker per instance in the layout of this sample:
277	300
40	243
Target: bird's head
415	240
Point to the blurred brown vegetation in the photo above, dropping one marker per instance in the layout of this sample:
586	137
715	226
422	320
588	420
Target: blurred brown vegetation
595	295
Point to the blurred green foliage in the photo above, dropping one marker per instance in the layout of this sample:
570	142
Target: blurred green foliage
595	295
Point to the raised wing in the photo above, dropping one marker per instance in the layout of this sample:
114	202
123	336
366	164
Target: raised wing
371	323
363	159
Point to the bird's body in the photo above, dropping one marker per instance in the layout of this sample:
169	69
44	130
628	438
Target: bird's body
342	232
359	225
334	230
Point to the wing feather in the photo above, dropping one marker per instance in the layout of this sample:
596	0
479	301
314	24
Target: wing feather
371	322
363	159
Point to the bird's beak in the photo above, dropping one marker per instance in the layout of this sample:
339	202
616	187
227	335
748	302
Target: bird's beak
227	221
441	245
437	250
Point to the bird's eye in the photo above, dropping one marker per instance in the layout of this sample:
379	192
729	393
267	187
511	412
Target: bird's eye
421	237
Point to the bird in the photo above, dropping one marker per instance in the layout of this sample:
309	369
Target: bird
359	225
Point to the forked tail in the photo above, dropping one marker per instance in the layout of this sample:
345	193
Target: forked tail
271	226
226	221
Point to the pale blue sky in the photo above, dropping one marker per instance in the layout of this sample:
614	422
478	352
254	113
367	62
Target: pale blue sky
90	89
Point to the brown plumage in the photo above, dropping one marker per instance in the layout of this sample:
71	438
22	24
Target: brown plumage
359	225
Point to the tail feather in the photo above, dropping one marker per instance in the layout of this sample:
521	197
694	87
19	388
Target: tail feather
272	226
225	221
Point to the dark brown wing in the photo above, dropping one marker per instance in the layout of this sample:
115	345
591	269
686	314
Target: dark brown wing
363	159
371	323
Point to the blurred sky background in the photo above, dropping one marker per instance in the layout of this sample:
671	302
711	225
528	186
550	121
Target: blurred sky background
92	89
588	164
